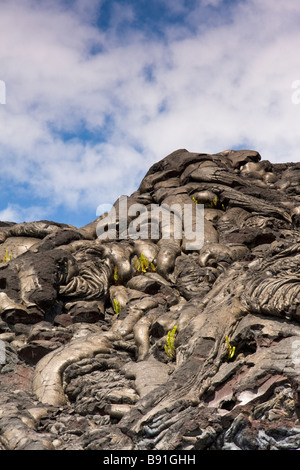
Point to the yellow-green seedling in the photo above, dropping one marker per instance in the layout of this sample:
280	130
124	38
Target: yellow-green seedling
170	347
142	264
117	306
116	275
230	349
7	257
153	267
215	204
194	200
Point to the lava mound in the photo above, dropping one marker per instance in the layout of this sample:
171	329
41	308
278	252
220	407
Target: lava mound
131	334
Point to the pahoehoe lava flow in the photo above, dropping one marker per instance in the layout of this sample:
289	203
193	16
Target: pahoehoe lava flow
85	321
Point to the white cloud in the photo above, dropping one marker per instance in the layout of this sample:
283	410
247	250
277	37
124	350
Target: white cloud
211	84
19	214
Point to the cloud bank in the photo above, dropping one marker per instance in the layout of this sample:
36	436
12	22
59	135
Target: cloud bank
98	91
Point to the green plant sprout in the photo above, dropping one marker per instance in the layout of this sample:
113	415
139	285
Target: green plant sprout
230	349
7	257
153	267
170	347
117	306
195	200
142	264
116	276
215	204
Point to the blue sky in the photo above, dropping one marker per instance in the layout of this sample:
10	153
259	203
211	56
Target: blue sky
99	90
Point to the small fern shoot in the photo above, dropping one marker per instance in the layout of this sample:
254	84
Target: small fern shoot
170	347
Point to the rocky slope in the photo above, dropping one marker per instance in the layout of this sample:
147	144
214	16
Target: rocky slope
84	321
